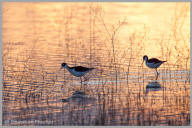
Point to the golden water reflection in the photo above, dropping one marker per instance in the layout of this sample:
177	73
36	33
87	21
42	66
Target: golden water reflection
112	37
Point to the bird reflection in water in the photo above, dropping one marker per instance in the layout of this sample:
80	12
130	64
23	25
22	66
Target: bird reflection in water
79	98
153	86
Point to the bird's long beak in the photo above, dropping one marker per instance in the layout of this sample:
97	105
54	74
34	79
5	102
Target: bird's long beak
142	63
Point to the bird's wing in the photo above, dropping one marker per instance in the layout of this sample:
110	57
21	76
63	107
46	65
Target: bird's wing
154	60
81	69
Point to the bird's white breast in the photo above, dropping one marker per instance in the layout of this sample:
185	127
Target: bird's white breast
78	74
152	65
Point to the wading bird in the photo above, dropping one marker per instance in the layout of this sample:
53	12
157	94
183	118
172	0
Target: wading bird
152	63
77	71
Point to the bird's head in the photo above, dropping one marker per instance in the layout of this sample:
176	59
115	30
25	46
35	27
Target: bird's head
145	58
63	65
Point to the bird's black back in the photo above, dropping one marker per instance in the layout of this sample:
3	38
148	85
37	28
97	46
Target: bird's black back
80	68
154	60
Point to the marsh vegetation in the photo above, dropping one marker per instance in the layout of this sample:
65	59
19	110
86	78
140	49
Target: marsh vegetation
38	37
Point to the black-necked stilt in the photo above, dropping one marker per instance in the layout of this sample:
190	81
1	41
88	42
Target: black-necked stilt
153	62
77	71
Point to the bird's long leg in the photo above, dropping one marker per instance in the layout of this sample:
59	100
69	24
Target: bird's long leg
81	82
85	79
156	77
156	72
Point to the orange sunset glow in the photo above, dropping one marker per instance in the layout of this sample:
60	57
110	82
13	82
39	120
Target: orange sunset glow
96	63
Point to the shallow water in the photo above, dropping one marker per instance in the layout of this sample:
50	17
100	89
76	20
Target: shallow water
38	37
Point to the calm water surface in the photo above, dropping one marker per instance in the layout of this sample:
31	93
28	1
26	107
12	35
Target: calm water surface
111	37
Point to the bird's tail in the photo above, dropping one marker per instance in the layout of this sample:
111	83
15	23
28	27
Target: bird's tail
91	69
